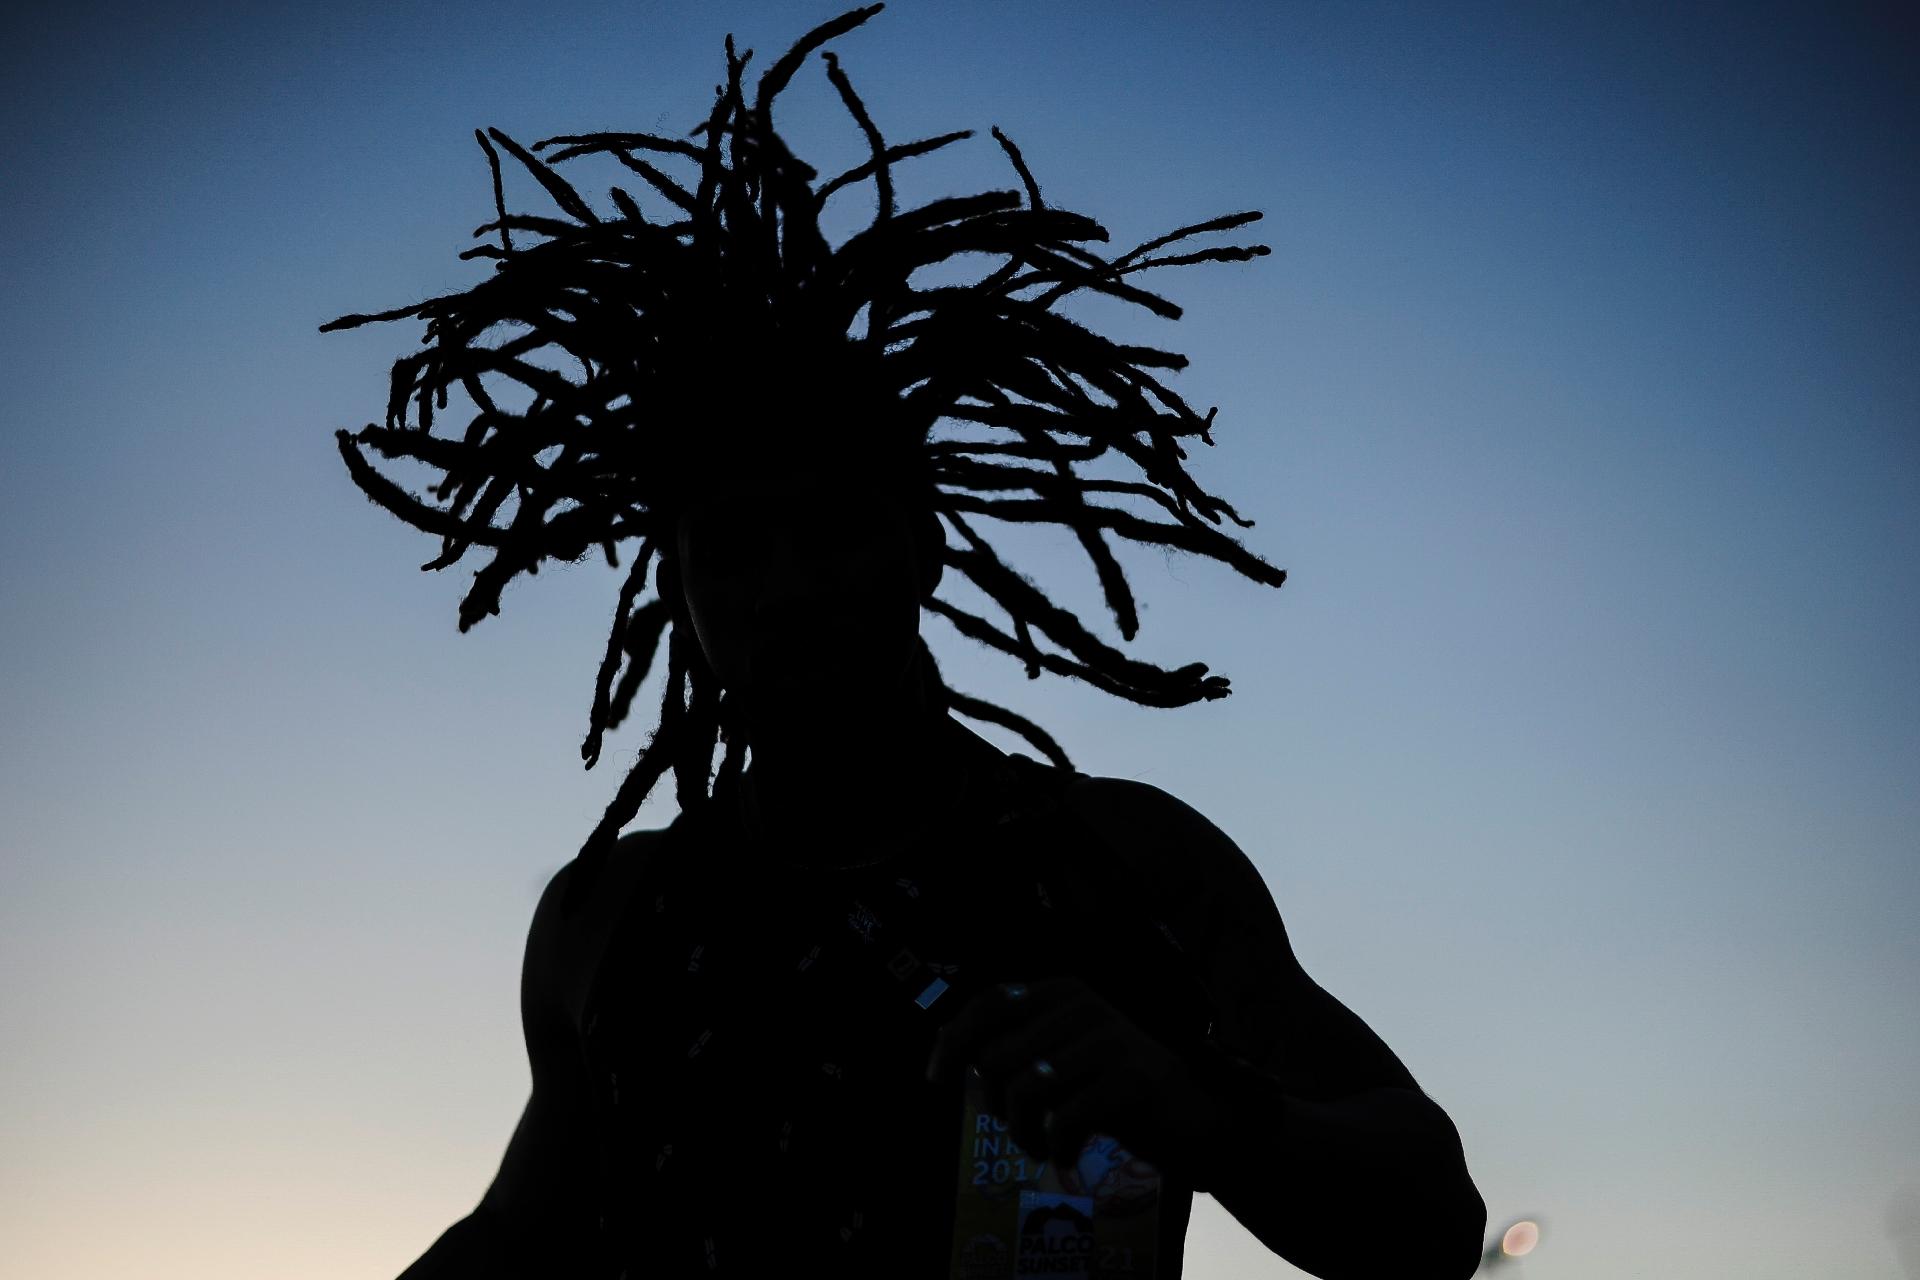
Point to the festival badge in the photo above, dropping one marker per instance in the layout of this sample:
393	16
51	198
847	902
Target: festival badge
1017	1215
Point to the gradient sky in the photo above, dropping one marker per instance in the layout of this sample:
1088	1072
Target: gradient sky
1579	396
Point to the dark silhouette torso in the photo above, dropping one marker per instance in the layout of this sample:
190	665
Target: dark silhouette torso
761	1104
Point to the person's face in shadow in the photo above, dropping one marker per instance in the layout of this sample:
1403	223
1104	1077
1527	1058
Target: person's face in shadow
804	592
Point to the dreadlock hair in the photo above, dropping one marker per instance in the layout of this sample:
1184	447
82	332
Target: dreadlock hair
663	318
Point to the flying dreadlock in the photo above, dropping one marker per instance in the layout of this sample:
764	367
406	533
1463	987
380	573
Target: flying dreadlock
661	319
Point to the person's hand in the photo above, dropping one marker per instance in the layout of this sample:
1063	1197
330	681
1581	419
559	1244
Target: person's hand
1059	1064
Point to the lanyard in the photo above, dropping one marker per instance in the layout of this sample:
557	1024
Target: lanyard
1062	849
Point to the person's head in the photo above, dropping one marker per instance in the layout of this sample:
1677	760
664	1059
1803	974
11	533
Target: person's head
803	590
735	310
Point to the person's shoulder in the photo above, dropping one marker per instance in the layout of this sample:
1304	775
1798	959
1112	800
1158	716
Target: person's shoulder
564	947
1213	898
1180	851
612	880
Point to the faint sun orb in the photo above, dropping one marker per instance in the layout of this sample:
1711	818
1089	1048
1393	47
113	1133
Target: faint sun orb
1520	1239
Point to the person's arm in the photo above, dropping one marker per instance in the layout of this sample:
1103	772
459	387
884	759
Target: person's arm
1350	1180
474	1248
1314	1136
536	1219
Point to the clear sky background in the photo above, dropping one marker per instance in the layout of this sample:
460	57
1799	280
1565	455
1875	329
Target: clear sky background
1579	395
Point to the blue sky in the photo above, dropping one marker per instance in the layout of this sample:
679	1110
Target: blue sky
1578	395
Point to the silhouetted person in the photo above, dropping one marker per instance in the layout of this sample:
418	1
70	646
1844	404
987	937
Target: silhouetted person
890	1001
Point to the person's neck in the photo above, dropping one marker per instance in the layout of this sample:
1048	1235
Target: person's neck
838	791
